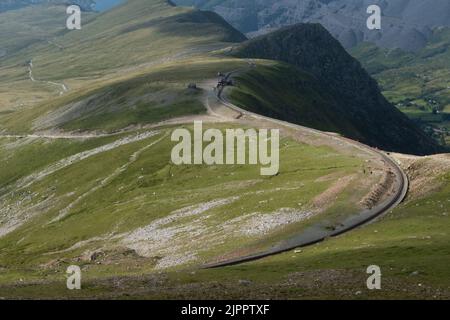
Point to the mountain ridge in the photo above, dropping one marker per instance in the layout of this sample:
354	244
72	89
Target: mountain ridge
405	24
356	93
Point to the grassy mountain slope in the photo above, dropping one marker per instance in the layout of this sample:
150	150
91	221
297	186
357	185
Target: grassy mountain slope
410	245
115	103
137	44
293	95
138	212
115	204
22	28
341	76
136	33
144	36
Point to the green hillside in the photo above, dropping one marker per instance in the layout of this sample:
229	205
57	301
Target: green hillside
123	67
410	246
96	184
127	49
136	33
134	99
99	203
293	95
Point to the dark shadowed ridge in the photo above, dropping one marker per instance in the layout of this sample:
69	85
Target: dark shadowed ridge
311	48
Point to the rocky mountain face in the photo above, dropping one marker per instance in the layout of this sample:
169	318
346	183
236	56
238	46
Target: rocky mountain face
6	5
311	48
406	24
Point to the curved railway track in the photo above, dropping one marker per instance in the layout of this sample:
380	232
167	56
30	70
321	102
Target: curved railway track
314	236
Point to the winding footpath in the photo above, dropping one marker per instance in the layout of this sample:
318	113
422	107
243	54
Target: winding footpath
56	136
63	87
317	233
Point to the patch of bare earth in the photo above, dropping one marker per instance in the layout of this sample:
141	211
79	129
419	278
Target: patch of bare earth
175	239
259	224
380	190
329	196
423	173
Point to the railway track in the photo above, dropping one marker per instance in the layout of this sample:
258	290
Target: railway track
367	216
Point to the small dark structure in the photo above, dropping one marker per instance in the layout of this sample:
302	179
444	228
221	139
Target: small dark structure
225	82
192	86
